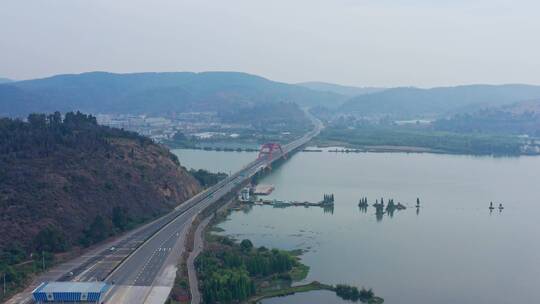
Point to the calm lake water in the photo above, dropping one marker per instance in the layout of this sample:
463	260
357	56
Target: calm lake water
214	161
452	251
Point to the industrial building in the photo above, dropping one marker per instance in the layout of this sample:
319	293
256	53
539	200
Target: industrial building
70	292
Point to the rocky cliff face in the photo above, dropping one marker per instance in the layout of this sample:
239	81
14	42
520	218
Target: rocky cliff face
64	175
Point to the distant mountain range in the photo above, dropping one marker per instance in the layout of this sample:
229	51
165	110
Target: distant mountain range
152	93
226	92
5	80
414	102
339	89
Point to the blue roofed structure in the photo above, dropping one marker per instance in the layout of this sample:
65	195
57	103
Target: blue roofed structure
70	292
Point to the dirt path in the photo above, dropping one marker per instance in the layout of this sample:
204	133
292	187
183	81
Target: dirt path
198	244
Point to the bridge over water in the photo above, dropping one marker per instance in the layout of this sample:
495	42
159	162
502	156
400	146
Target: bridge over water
141	265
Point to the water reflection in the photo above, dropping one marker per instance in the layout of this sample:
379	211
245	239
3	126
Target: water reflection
448	251
246	209
379	213
363	209
328	209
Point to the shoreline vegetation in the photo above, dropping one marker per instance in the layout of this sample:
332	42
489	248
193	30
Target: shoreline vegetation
230	271
283	292
393	139
346	292
342	146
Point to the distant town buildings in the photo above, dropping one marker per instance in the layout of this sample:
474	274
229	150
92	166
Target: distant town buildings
159	128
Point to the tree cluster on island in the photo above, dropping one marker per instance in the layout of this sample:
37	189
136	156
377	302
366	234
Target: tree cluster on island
380	206
363	202
352	293
328	199
229	272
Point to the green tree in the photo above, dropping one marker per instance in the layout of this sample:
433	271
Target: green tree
98	230
51	239
12	254
120	218
37	121
246	245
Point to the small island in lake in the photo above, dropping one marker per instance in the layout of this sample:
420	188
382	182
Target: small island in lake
258	272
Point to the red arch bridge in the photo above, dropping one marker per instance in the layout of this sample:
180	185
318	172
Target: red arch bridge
270	151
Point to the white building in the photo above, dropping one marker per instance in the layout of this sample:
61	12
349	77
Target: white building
244	194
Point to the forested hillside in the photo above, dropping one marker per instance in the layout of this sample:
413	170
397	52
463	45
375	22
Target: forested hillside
521	118
68	182
269	115
415	103
152	93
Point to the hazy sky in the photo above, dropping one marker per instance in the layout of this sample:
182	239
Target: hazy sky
358	42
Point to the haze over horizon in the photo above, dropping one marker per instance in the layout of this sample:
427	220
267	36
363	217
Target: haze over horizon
278	152
360	43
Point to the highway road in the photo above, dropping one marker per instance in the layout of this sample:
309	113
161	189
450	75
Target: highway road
142	256
148	257
143	266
